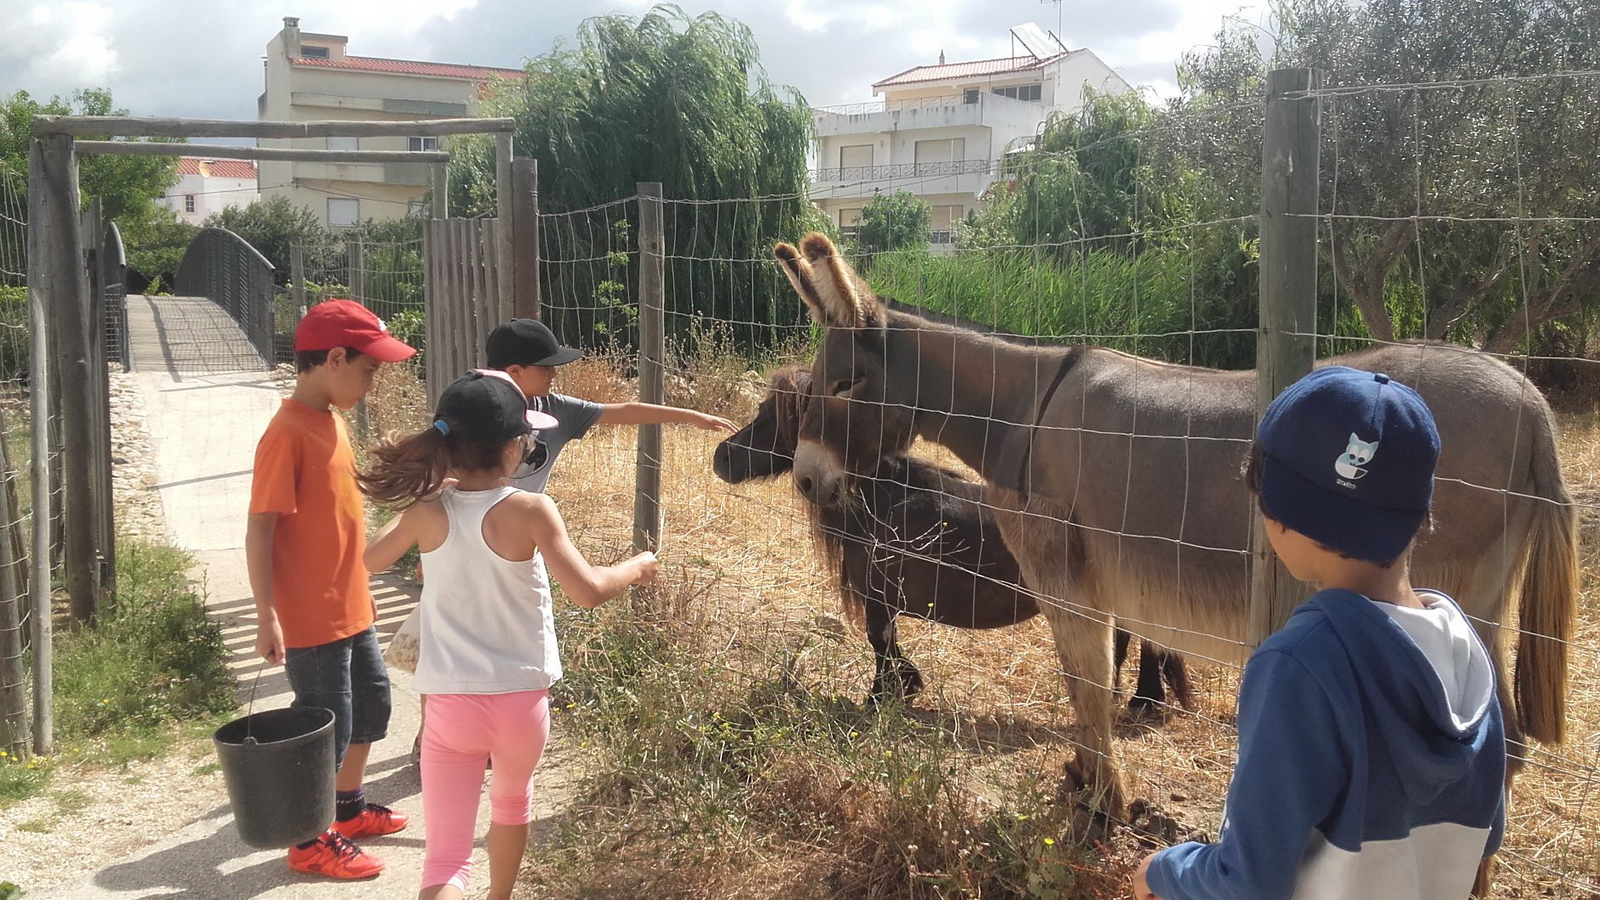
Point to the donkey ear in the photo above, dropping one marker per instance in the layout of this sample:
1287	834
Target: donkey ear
846	299
799	274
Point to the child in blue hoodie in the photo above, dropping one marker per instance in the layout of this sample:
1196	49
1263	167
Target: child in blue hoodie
1371	754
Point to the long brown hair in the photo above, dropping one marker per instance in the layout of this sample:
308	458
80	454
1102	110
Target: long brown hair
406	469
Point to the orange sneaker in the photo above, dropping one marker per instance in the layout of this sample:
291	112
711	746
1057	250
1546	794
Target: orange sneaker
374	821
335	857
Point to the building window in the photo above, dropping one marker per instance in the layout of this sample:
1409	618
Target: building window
421	144
1030	92
970	95
416	209
188	203
855	156
343	212
313	52
344	143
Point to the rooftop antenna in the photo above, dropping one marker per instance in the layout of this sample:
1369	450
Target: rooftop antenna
1057	33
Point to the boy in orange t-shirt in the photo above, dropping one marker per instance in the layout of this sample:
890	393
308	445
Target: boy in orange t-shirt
304	542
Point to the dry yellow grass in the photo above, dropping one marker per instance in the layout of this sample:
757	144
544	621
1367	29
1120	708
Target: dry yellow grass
755	593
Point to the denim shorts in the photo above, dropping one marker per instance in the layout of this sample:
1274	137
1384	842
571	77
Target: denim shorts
347	676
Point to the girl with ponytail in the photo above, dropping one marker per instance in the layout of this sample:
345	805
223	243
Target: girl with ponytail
488	643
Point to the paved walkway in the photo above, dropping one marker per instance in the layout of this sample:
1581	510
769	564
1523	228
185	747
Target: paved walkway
204	416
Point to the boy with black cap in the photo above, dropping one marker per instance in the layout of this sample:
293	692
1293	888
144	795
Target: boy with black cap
305	535
1371	752
527	351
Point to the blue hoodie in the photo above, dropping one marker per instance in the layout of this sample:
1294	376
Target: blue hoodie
1360	773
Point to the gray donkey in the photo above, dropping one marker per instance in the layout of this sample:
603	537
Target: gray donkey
1116	482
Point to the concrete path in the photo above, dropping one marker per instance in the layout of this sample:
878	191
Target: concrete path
204	419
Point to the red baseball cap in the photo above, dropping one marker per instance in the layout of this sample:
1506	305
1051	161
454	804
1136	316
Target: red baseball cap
346	323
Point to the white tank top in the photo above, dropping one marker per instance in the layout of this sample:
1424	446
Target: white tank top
487	626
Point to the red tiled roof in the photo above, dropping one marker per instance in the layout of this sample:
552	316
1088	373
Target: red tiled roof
954	71
216	168
410	67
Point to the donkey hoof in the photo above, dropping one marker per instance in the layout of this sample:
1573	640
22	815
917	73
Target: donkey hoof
1101	796
910	683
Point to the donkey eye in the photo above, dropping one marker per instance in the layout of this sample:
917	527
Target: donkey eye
841	386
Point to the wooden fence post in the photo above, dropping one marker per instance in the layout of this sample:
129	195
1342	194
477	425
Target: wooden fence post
104	514
525	238
67	302
297	280
441	191
13	675
1285	342
356	275
503	302
355	272
41	383
652	351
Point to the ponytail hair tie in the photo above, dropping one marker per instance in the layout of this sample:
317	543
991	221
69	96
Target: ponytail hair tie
443	426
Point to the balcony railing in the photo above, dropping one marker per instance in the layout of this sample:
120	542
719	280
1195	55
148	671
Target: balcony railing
940	236
878	106
941	102
908	170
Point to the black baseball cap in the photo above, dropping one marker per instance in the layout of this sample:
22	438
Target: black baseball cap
487	406
526	342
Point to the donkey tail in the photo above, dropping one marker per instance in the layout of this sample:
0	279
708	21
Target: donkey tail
1549	594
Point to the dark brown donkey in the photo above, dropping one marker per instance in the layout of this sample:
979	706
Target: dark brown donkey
914	540
1115	482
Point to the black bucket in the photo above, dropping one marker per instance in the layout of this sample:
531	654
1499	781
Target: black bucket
279	769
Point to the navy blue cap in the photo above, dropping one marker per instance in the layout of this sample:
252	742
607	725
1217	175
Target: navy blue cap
1348	459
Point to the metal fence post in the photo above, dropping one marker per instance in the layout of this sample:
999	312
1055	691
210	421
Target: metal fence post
652	350
1285	342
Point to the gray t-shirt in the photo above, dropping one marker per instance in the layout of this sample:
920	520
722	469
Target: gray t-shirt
575	418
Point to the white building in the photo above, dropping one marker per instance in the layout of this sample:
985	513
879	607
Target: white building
206	186
941	131
310	76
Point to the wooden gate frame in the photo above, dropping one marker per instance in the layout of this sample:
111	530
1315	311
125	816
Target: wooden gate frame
62	352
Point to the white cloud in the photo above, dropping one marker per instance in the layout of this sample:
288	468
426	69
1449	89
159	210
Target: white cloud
59	42
203	57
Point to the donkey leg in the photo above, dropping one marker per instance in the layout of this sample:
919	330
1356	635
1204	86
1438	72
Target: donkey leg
1083	640
1176	674
895	675
1119	655
1048	556
1150	694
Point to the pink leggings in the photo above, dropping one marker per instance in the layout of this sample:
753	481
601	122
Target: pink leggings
461	733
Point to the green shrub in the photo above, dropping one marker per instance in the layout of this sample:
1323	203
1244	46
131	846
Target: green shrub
154	660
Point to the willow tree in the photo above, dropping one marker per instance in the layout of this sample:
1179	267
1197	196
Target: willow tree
666	98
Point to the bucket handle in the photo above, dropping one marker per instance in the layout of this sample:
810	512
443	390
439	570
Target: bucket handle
250	710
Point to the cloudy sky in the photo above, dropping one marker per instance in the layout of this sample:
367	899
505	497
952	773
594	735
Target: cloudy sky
202	58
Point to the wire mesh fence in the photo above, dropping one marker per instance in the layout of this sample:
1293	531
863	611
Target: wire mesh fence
387	278
1453	212
1159	260
16	430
